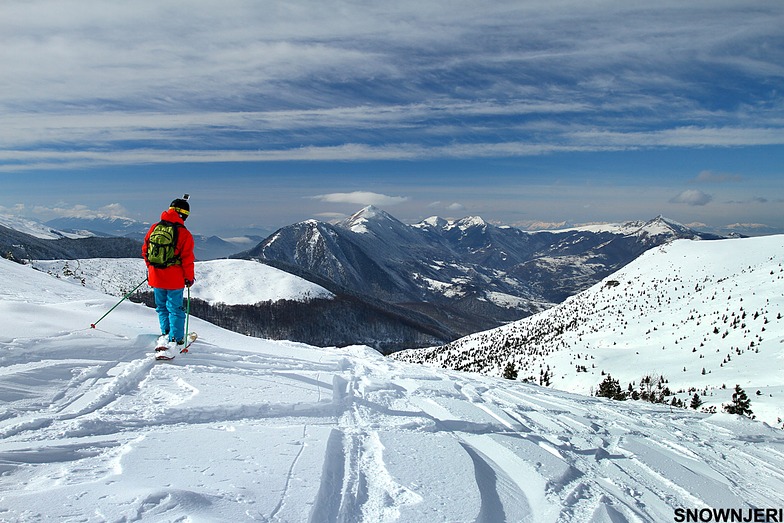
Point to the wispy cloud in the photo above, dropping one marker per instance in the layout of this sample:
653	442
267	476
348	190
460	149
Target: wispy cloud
361	198
88	82
716	177
753	200
162	150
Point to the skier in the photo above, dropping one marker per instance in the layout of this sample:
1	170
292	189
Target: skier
168	252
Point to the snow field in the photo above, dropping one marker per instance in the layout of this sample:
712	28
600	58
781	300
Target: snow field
243	429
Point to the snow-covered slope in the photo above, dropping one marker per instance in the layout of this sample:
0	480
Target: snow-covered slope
36	229
233	282
236	282
705	315
243	429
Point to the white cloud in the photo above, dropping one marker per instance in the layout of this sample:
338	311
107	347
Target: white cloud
361	198
692	197
112	210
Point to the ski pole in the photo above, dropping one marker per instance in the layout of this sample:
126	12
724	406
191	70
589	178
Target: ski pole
92	325
187	318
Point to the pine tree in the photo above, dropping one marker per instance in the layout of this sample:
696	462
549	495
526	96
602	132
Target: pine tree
610	388
696	402
510	371
741	404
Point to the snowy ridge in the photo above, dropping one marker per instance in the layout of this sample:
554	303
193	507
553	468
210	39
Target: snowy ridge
36	229
246	429
232	282
705	315
658	226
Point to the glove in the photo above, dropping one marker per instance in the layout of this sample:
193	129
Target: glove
188	283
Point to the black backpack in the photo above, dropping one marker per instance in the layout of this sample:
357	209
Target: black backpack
162	245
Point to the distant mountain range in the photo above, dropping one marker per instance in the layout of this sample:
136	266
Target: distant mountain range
397	286
51	245
467	275
207	247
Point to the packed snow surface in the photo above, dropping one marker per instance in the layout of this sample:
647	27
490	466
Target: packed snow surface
242	429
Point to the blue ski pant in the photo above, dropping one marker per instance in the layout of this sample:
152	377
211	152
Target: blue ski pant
171	313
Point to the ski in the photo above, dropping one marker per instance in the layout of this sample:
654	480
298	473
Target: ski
162	352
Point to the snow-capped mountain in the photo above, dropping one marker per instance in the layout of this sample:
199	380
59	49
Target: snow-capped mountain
46	243
705	315
402	286
37	229
656	227
246	429
102	226
206	247
467	274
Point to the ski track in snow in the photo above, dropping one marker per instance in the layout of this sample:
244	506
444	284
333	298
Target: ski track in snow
93	429
532	454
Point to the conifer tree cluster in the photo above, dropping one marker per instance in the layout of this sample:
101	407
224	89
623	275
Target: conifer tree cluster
653	389
610	388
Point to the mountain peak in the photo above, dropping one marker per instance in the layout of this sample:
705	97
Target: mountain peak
362	221
433	222
471	221
664	226
370	212
436	222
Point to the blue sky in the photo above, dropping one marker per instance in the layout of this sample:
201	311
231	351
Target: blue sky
523	112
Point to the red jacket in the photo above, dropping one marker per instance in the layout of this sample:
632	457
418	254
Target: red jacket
172	277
